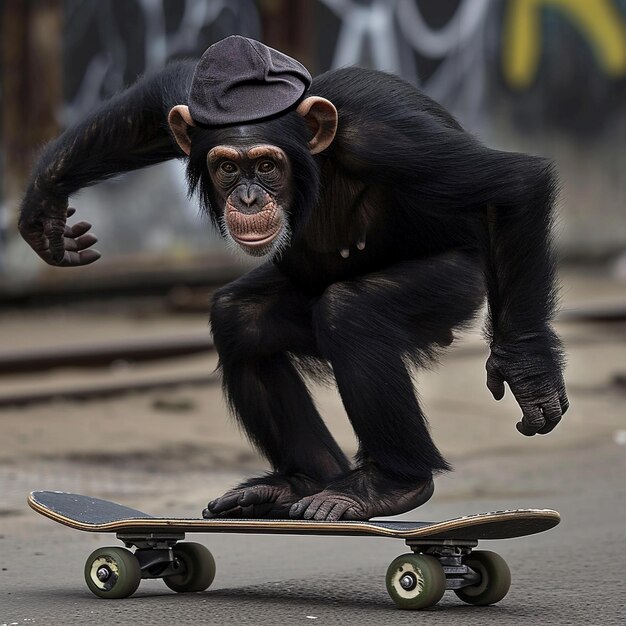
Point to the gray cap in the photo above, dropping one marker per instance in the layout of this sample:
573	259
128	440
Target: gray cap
241	80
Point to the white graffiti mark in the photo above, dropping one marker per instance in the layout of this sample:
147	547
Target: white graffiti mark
437	44
106	70
388	34
159	45
366	25
460	80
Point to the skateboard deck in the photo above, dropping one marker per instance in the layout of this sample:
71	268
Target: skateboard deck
443	556
95	515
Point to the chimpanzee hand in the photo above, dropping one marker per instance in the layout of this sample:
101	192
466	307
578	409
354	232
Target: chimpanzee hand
532	369
43	226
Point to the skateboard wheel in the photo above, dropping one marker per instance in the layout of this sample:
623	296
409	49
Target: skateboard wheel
495	578
199	568
112	573
415	581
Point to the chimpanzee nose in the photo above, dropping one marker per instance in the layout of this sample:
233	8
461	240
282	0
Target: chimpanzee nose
249	199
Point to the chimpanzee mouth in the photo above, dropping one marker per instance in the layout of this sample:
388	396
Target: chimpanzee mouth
254	232
255	244
262	233
255	241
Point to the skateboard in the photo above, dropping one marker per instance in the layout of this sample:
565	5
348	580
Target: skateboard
442	554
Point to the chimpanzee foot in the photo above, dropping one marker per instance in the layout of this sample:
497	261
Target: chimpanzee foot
270	496
362	494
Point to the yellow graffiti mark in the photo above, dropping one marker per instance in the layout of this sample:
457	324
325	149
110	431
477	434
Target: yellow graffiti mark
599	21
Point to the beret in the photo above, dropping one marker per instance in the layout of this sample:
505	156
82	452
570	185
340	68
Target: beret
241	80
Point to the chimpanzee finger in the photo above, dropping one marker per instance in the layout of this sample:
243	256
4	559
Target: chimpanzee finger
531	421
549	427
564	402
208	514
226	502
80	243
296	510
313	508
495	383
88	256
324	510
70	211
337	511
75	259
552	413
85	241
261	494
234	512
78	229
524	429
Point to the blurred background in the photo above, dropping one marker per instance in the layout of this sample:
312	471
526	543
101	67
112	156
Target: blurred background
106	382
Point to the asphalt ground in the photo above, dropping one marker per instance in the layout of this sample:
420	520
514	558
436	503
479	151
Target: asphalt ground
573	574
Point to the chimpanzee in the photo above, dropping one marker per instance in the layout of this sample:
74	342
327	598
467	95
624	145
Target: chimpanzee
383	224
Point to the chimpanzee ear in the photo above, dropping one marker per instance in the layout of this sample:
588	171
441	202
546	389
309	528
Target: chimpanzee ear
180	120
321	116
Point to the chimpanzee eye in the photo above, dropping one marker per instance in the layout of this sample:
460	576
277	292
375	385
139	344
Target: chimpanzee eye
228	167
266	167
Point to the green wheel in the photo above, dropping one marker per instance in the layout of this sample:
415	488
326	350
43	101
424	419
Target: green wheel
416	581
199	568
112	573
495	578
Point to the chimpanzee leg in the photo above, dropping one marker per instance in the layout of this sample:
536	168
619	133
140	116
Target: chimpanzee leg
367	328
256	320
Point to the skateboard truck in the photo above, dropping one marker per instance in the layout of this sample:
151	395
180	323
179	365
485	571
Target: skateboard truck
451	555
155	554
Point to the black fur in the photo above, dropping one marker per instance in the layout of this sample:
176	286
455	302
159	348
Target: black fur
431	219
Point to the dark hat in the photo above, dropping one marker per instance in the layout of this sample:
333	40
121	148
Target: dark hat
240	80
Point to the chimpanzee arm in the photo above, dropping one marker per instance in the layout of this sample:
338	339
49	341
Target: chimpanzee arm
127	132
447	172
521	287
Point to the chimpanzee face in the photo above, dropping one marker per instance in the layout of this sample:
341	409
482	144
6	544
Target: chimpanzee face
254	185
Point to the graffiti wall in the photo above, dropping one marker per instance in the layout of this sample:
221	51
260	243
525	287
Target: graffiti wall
557	63
544	76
